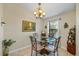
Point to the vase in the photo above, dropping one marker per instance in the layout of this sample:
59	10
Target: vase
5	51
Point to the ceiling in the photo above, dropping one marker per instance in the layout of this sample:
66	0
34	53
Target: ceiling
51	9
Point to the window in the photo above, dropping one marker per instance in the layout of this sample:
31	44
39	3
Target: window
54	28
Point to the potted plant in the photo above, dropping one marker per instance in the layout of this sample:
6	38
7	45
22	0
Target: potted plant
6	44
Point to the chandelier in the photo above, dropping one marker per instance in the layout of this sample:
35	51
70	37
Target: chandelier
39	13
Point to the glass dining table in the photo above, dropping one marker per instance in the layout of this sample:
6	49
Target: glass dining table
48	44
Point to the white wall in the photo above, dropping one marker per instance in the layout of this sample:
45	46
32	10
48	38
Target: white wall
1	28
77	29
70	18
14	14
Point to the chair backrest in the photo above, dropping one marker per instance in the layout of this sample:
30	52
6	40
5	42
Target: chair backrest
33	42
31	39
57	43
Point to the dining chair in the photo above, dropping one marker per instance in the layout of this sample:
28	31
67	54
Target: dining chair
56	45
34	45
53	48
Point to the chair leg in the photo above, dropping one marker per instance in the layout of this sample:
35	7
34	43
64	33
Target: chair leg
31	51
36	50
57	52
54	53
36	53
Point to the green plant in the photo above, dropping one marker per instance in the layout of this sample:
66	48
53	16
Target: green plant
6	44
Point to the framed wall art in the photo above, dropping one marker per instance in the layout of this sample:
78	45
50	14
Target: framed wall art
66	25
28	26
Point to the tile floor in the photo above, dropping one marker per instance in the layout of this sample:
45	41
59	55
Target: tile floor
27	52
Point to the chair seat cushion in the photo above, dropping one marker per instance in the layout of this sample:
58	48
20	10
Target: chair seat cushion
50	47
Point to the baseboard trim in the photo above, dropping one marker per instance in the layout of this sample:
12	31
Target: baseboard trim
19	49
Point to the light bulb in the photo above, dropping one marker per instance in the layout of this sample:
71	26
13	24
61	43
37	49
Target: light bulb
30	24
36	15
43	13
34	12
40	11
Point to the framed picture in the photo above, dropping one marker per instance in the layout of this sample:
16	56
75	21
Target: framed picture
28	26
66	25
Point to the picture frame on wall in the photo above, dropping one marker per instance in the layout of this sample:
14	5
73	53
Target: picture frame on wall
28	26
66	25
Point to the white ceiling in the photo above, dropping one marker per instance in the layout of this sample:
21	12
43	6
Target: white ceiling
51	9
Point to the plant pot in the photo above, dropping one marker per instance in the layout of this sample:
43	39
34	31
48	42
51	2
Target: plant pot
5	51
